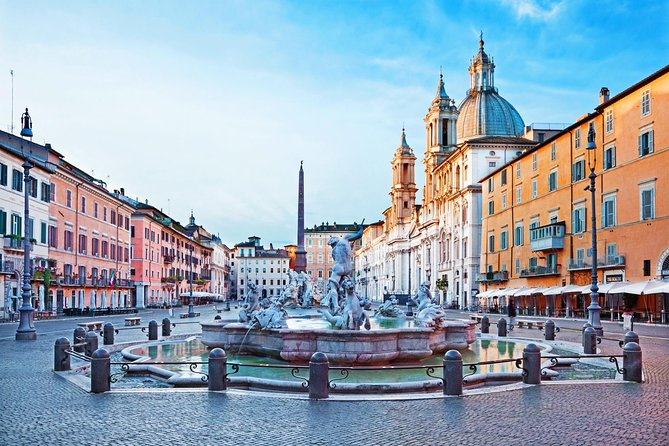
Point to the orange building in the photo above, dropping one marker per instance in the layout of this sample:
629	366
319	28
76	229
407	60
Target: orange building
89	241
536	231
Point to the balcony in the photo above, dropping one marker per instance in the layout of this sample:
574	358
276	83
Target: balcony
167	258
536	271
13	243
493	277
171	280
547	237
616	261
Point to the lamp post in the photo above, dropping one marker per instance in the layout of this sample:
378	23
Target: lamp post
409	302
594	309
26	330
190	281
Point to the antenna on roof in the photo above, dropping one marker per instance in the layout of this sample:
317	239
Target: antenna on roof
11	72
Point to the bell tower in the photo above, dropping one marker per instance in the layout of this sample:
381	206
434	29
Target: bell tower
441	138
403	192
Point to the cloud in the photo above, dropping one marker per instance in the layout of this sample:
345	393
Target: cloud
535	9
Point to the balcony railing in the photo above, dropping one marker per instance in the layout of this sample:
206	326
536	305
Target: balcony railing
547	237
533	271
168	258
15	244
493	277
607	262
8	266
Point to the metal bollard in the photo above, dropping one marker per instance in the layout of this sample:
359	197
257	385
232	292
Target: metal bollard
532	364
108	334
485	324
589	341
218	364
630	336
61	359
586	325
632	362
78	338
319	369
153	331
452	373
100	372
167	327
549	330
91	340
501	327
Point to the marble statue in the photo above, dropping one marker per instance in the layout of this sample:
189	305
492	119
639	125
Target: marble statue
352	315
389	308
250	304
432	316
304	288
343	262
272	316
424	297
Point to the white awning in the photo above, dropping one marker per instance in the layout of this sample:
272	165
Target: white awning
529	291
647	287
606	288
552	291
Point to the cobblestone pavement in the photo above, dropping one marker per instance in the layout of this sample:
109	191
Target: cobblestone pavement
39	407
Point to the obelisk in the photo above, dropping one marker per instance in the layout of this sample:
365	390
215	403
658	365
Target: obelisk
301	253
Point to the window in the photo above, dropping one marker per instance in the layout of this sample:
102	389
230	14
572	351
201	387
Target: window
53	237
31	225
534	161
491	207
3	222
648	202
309	242
3	174
95	209
611	254
534	188
608	116
609	211
16	225
112	220
52	192
517	266
518	170
17	180
492	164
95	247
82	244
518	235
646	267
45	194
552	180
645	103
577	138
519	195
104	213
553	151
610	157
578	221
83	204
504	201
105	249
504	239
67	242
646	143
578	171
491	185
503	177
491	242
541	136
68	198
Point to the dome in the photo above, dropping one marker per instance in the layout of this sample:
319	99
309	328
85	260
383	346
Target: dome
486	113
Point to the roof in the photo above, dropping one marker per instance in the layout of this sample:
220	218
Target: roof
334	227
659	73
486	113
501	140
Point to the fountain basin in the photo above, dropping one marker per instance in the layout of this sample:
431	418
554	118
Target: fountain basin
342	347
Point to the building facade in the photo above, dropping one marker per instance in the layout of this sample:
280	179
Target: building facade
319	253
268	269
537	219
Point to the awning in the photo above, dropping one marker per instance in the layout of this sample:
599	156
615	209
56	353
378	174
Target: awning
553	291
529	291
647	287
485	293
606	288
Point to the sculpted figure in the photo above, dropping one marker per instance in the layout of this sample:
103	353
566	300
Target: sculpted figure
424	297
389	308
352	315
431	316
343	264
303	289
273	316
250	304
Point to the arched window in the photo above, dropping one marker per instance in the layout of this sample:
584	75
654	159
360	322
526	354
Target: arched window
457	178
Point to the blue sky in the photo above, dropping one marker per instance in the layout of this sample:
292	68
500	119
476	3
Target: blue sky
211	106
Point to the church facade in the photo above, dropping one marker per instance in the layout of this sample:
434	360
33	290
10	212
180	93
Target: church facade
439	240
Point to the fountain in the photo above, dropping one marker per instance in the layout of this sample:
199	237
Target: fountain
263	327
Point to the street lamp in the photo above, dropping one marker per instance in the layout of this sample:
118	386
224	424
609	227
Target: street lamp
409	302
190	281
26	330
594	309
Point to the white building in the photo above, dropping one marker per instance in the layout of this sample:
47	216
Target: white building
439	240
266	268
12	204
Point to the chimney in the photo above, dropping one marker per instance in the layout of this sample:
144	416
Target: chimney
603	95
123	191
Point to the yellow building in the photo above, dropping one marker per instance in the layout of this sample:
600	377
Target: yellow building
537	210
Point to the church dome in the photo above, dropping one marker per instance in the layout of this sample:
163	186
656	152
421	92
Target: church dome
486	113
483	112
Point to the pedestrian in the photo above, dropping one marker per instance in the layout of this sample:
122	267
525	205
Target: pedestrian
511	311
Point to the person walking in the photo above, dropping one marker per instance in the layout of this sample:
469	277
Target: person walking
511	311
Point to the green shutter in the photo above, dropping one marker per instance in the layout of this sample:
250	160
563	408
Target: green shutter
3	174
43	234
3	222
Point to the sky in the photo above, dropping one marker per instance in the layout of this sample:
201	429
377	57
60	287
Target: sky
211	105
